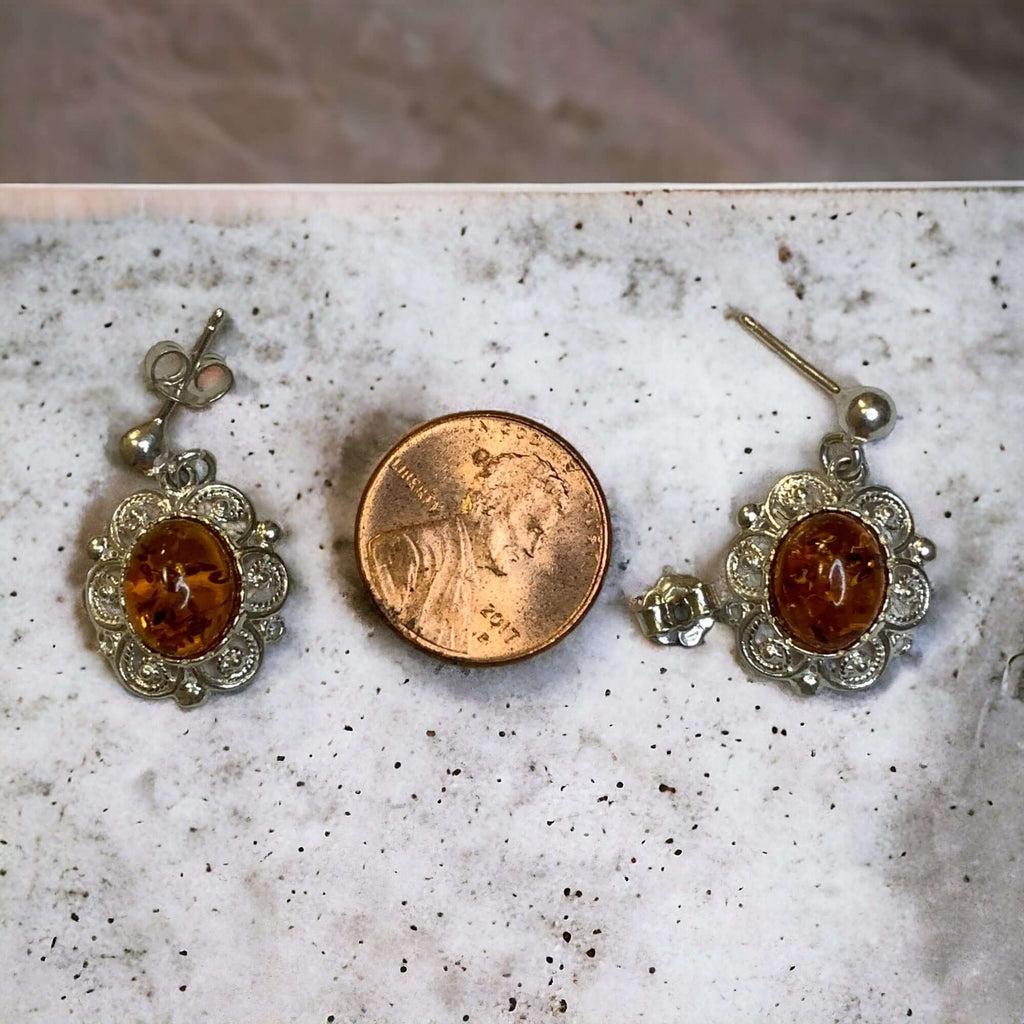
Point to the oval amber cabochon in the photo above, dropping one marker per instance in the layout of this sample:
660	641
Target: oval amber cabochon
182	590
828	581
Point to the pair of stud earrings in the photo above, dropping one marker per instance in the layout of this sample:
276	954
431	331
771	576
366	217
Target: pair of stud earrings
822	585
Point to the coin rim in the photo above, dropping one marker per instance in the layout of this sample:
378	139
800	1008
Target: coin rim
419	642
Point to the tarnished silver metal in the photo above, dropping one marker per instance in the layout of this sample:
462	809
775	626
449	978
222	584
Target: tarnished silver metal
868	414
747	515
924	549
842	457
194	380
864	413
678	609
780	348
187	488
187	469
763	643
671	611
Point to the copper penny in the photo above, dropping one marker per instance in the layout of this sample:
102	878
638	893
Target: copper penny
483	537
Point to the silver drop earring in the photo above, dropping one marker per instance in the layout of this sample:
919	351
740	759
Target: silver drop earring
825	580
185	593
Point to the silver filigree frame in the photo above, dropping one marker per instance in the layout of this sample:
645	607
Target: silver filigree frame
188	489
763	645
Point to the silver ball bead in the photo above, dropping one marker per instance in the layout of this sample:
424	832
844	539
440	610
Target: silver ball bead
142	446
97	547
924	548
270	531
748	516
868	414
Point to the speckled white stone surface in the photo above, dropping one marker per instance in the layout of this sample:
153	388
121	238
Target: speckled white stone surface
611	832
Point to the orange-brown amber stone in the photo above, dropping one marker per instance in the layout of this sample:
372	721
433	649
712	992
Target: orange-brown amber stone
181	588
827	582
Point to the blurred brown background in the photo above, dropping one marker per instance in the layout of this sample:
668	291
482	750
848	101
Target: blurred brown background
541	90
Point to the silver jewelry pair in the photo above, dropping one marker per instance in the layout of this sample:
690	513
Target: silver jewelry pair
823	543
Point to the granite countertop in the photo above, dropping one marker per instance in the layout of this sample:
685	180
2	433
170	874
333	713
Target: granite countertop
611	831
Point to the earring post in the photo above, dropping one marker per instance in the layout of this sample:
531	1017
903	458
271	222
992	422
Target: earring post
204	339
779	347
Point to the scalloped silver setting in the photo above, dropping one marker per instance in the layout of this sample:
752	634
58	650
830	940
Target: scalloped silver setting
763	646
231	665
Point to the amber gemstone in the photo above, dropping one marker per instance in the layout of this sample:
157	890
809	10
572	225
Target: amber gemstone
827	582
181	588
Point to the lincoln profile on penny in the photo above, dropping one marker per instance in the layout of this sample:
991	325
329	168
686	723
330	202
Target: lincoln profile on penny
429	573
